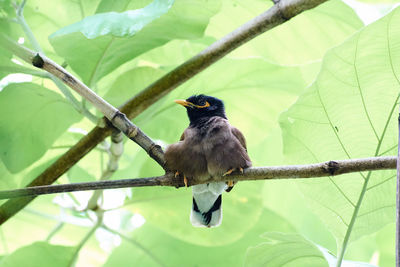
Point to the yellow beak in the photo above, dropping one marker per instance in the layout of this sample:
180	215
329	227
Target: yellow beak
183	103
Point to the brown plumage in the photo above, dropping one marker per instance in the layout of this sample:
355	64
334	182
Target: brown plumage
209	147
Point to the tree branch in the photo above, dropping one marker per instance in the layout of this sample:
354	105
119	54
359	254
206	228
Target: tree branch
115	151
275	16
330	168
118	119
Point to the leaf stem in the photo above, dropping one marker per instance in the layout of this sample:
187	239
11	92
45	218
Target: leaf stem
352	221
84	240
136	244
57	228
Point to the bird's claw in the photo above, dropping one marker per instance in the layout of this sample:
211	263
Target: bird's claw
230	183
231	170
185	181
228	172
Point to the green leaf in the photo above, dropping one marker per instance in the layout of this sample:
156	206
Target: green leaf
350	112
32	118
6	181
158	204
332	260
303	39
5	5
6	65
43	21
150	246
130	83
284	250
295	210
94	58
292	250
115	24
39	254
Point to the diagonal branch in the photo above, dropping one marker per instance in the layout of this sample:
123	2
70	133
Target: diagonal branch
118	119
330	168
273	17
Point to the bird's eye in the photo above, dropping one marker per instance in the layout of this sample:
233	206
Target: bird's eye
203	104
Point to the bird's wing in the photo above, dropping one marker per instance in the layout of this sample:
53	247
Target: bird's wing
238	134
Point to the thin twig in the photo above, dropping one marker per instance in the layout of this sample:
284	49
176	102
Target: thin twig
330	168
132	108
115	151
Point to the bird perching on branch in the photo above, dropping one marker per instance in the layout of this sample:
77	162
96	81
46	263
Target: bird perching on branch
209	147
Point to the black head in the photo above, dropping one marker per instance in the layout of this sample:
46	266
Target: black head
202	106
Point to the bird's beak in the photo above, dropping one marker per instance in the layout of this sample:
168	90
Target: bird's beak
183	103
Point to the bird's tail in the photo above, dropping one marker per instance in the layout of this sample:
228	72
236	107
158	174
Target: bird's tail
207	200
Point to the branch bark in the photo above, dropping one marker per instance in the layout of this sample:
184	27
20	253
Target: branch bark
273	17
115	151
330	168
117	118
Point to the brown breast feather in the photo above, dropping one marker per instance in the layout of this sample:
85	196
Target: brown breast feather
224	147
186	156
212	150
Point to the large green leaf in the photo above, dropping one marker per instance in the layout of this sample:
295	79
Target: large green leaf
285	250
168	208
303	39
149	246
350	112
32	119
43	20
292	250
7	66
6	7
39	254
124	24
94	58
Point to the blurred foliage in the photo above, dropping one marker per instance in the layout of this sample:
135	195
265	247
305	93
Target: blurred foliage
320	87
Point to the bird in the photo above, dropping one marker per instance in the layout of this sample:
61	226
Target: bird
209	147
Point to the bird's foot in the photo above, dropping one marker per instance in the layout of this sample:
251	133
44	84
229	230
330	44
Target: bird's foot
185	181
232	170
231	183
228	172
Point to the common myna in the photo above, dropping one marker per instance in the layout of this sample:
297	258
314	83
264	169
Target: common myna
209	147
